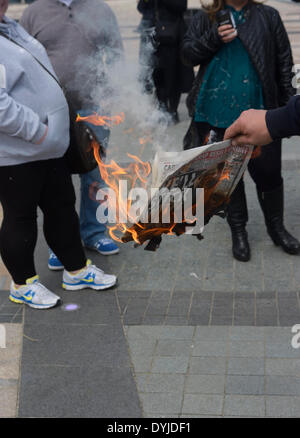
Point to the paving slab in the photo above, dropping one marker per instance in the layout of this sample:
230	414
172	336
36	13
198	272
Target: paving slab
251	385
160	382
202	404
205	384
244	406
283	406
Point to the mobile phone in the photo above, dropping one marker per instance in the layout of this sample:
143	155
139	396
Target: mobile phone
225	17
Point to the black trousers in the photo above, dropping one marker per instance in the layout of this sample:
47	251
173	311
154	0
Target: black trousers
48	185
265	170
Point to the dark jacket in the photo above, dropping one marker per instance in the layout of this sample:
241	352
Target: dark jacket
266	41
284	122
167	9
170	73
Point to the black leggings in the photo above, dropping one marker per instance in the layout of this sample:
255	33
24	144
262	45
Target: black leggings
23	188
265	170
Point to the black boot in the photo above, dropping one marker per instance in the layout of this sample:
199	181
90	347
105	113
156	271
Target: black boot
237	217
272	207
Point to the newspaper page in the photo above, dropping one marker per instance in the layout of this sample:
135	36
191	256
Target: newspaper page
216	168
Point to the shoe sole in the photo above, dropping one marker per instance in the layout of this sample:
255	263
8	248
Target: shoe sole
114	251
287	250
290	251
34	306
86	286
55	268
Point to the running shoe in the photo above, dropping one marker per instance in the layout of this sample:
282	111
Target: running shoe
54	263
90	277
34	294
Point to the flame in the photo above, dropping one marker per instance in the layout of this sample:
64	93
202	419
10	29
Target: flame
145	140
225	176
97	120
135	172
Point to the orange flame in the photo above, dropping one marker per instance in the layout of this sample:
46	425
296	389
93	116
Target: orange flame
97	120
145	140
135	172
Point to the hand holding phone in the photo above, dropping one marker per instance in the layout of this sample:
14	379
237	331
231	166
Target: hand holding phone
226	26
227	33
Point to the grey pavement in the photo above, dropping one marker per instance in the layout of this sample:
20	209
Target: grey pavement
187	332
217	371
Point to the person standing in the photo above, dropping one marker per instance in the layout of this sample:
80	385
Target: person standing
146	51
34	136
82	39
242	66
170	76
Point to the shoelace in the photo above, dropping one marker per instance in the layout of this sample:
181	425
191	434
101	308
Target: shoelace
95	269
41	289
104	241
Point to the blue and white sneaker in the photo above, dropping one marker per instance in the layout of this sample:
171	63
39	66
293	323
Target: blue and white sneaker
90	277
34	294
105	246
54	263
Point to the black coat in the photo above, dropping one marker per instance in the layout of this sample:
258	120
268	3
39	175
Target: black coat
168	9
266	41
285	121
170	72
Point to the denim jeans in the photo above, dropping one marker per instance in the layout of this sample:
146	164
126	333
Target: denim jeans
90	229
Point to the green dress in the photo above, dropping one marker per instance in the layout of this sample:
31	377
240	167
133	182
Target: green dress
230	84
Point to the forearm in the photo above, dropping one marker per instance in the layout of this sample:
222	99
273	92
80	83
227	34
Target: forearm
285	121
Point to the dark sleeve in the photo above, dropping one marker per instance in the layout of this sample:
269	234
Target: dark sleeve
174	5
284	60
285	121
201	42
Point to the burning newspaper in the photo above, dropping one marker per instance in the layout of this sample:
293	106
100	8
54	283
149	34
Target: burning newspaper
216	168
180	192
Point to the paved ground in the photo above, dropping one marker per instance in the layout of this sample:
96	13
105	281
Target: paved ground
188	331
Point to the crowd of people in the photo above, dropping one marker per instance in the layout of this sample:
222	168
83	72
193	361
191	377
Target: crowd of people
244	64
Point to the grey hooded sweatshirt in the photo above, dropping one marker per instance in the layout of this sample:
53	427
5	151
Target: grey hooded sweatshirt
30	99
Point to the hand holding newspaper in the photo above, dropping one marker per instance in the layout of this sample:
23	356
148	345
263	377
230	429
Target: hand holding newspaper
216	168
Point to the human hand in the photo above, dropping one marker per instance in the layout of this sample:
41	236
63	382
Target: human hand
227	33
249	129
40	141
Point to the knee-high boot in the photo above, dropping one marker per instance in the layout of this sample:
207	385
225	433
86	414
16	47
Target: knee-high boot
272	207
237	218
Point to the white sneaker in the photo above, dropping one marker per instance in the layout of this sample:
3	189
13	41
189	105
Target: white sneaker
89	277
34	294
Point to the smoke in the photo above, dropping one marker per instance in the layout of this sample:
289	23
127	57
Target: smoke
115	85
125	92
